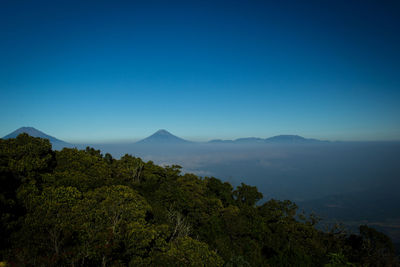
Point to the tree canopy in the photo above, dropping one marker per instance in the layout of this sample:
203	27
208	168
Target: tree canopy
78	207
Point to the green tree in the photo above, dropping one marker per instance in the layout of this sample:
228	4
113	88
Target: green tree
47	235
223	191
186	251
23	161
105	217
247	195
84	170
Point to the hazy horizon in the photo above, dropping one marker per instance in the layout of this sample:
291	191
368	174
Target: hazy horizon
133	138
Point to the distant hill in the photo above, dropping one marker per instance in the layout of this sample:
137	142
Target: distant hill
249	140
163	137
279	139
57	143
290	139
216	141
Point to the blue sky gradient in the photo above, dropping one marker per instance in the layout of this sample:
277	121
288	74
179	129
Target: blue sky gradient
119	70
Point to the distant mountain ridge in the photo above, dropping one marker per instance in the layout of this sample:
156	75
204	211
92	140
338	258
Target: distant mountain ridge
163	137
278	139
290	139
57	143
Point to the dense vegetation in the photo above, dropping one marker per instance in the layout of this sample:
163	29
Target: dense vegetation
80	208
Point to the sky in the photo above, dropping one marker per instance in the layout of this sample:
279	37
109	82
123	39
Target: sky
104	71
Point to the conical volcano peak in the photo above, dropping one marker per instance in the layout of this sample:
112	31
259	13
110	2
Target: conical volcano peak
162	137
57	143
27	129
32	132
163	132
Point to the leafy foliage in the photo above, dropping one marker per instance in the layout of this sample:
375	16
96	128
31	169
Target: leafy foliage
80	208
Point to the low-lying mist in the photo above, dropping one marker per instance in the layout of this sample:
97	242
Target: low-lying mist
283	171
347	181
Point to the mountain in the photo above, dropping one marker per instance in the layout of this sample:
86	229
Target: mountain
249	140
279	139
57	143
290	139
163	137
216	141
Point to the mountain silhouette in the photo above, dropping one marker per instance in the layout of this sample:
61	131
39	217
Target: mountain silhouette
290	139
57	143
163	137
279	139
216	141
249	140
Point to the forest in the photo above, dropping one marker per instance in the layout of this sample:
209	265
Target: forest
82	208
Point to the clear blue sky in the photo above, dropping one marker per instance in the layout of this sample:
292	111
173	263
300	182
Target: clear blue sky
112	70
